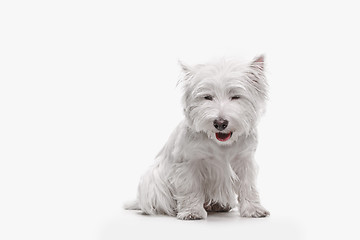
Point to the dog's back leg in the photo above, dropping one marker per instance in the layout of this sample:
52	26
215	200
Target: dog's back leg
154	193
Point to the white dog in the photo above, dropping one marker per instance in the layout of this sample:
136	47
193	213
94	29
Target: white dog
209	158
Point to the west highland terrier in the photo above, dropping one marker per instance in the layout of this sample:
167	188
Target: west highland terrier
208	162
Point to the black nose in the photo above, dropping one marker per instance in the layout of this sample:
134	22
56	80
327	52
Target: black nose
220	124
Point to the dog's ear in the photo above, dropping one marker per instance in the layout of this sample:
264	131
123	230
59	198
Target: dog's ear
258	63
256	73
187	71
184	67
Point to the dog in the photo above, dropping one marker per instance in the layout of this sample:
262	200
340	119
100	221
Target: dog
207	164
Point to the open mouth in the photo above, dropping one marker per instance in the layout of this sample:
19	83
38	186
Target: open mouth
223	137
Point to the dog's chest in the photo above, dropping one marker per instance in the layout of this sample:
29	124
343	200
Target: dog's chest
219	154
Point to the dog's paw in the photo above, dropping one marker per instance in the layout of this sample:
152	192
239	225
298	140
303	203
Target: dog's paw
253	210
217	207
192	215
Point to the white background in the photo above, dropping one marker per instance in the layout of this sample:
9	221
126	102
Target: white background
88	97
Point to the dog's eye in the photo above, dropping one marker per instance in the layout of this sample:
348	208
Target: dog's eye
208	97
235	97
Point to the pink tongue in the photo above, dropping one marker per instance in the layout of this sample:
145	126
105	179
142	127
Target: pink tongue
223	136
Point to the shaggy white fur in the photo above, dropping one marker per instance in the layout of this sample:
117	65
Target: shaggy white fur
209	158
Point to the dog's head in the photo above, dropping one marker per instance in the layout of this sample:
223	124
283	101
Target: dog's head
224	99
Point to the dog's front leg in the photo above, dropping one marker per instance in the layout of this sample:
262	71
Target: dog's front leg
190	207
248	196
189	195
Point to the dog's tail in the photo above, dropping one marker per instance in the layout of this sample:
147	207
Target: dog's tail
133	205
